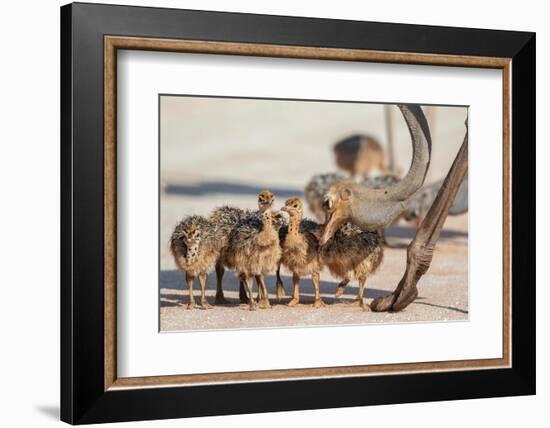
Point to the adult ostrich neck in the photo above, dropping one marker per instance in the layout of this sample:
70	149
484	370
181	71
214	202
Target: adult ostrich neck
422	150
376	208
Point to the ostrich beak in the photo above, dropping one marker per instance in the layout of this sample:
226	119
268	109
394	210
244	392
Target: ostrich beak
332	224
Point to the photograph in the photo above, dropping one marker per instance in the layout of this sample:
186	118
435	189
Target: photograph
258	209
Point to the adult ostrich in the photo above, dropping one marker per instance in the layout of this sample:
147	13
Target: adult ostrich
377	208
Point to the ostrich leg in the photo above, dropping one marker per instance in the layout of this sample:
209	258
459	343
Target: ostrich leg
420	250
280	286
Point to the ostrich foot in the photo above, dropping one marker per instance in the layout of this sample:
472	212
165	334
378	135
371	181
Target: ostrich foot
383	304
405	298
191	305
319	304
362	304
252	306
395	302
264	304
221	300
280	290
205	304
293	302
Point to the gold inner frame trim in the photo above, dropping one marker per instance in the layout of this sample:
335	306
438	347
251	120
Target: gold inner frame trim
113	43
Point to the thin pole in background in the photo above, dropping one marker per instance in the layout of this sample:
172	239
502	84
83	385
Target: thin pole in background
389	136
430	112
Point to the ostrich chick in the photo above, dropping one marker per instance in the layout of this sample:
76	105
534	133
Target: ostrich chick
195	245
226	218
301	251
253	250
265	202
351	254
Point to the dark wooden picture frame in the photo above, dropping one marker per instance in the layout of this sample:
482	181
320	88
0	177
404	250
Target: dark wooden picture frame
90	37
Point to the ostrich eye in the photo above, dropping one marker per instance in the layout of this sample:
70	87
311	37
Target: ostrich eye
345	194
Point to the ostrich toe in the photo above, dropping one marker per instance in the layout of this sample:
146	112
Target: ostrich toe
319	304
293	302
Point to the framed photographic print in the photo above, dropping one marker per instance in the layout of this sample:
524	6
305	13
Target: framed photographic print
277	213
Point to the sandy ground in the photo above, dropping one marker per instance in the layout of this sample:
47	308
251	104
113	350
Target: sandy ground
196	177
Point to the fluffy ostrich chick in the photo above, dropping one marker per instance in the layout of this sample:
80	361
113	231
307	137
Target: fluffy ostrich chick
300	251
195	245
253	251
226	218
352	254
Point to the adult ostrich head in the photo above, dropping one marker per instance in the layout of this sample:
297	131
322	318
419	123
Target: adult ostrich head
376	208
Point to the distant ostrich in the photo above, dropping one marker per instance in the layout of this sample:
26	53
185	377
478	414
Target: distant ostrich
252	251
300	251
352	254
419	204
360	155
195	245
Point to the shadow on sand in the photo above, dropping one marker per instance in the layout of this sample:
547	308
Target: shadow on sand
212	187
171	280
404	232
433	305
400	236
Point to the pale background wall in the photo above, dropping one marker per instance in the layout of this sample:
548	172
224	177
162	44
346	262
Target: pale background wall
29	165
283	143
